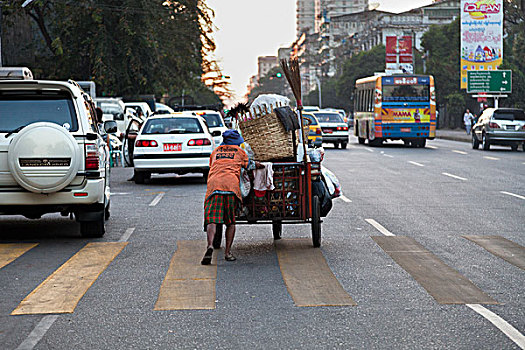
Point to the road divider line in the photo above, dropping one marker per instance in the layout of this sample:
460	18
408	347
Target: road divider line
507	329
388	155
369	150
157	199
415	163
379	227
501	247
459	152
37	333
443	283
9	252
188	285
432	147
512	194
345	199
127	234
63	289
491	158
455	176
307	276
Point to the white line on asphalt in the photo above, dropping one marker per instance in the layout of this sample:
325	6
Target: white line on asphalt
512	194
455	176
432	147
388	155
379	227
127	234
491	158
502	325
157	199
369	150
415	163
119	193
38	332
460	152
345	199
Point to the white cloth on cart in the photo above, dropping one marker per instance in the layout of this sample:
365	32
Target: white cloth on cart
263	178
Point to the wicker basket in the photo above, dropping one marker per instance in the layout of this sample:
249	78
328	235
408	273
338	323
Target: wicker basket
267	137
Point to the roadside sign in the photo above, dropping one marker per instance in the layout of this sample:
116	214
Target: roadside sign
495	81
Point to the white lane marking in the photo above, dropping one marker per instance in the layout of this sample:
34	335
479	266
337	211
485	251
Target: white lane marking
512	194
432	147
369	150
127	234
157	199
388	155
345	199
501	324
455	176
38	332
415	163
491	158
119	193
460	152
379	227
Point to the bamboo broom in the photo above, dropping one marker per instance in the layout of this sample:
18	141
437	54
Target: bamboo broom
293	75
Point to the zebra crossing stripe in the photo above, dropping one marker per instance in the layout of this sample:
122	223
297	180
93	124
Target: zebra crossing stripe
188	285
9	252
308	277
62	290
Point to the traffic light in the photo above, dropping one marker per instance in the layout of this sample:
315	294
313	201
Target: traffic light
278	75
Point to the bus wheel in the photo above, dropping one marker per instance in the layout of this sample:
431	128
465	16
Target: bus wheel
422	143
375	142
361	140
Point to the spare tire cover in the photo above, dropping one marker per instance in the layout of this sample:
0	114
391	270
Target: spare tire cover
44	157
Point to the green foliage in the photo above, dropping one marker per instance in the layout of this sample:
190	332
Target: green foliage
455	103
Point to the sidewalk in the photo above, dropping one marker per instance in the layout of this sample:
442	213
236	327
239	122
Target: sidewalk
453	134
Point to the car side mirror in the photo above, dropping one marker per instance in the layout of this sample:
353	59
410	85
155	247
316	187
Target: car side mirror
110	126
216	133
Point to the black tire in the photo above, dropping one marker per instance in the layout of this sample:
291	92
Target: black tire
485	142
423	143
361	140
336	145
107	212
514	148
316	222
375	142
344	145
93	229
217	239
475	142
277	229
205	176
139	177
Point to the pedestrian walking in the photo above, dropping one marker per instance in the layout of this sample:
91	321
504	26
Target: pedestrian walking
223	191
467	120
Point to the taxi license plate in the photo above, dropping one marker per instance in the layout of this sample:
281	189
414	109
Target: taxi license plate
172	147
405	129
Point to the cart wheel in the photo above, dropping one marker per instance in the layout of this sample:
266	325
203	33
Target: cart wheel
316	222
217	239
277	229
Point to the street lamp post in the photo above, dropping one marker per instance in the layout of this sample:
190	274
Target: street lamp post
318	81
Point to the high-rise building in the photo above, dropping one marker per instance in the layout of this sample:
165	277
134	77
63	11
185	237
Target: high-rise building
326	9
264	64
305	17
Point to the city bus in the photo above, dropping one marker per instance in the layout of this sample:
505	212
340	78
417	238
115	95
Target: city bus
395	107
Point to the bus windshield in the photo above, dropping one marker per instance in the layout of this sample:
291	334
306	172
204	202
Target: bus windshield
406	93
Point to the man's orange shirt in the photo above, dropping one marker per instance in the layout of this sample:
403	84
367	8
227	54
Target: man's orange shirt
226	162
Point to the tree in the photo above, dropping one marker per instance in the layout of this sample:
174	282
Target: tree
274	82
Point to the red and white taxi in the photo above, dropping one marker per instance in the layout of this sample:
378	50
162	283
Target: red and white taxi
177	143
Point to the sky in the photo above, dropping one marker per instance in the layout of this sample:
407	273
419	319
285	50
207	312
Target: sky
247	29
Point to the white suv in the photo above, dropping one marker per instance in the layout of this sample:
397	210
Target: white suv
52	156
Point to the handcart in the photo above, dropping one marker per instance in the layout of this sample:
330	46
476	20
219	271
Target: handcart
293	200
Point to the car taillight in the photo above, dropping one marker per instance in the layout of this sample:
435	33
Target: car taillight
342	128
146	143
199	142
318	131
92	157
494	125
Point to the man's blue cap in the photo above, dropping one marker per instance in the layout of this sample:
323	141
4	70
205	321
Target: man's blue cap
232	137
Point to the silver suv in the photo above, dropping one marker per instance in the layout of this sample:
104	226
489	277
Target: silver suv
53	157
499	126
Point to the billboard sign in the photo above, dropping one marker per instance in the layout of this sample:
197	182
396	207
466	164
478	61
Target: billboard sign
399	54
481	36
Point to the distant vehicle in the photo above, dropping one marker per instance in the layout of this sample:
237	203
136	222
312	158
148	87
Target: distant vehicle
115	109
144	108
215	123
395	107
334	129
89	87
161	108
340	111
315	134
311	109
177	143
500	126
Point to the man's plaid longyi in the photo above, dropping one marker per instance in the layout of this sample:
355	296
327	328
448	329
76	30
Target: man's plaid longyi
220	209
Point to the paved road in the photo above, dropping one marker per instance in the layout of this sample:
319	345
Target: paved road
394	257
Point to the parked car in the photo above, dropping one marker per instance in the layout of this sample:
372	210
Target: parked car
141	107
115	109
161	108
177	143
315	135
52	156
499	126
215	123
334	129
